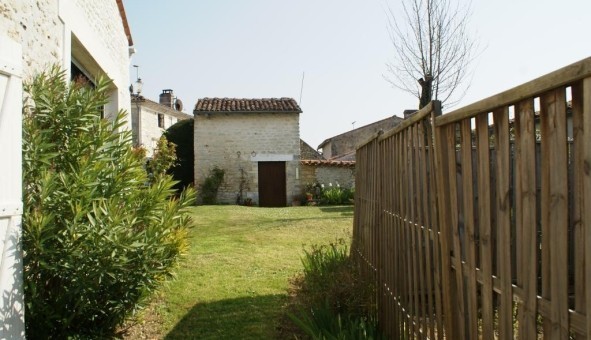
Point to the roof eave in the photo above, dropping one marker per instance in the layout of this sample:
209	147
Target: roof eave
124	21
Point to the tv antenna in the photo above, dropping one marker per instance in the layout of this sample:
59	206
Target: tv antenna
302	88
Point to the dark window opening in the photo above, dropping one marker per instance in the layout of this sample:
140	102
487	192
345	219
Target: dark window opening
161	120
79	78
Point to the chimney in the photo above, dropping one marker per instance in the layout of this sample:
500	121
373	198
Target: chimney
406	113
167	98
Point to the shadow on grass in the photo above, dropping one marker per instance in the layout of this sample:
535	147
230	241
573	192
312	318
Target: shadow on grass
256	317
345	210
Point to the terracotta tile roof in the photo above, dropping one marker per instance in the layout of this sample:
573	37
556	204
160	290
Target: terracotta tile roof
247	105
328	162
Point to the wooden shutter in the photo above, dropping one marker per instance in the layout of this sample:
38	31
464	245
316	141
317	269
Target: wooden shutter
11	208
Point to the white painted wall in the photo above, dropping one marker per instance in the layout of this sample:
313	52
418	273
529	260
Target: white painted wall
55	31
12	312
146	131
236	142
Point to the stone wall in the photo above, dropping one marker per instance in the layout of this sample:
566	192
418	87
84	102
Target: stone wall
335	175
344	176
37	27
349	141
55	31
236	142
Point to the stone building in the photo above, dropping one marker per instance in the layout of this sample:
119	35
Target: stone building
256	142
85	38
346	143
150	119
308	152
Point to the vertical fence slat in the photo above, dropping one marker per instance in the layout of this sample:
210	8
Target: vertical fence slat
420	226
555	206
433	205
468	213
501	120
411	218
427	228
484	223
578	194
444	154
586	179
526	214
400	240
407	238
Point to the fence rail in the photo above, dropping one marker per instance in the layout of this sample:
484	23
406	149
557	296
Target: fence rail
477	223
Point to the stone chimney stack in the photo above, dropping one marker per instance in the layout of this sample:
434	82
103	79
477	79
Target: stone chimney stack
407	113
167	98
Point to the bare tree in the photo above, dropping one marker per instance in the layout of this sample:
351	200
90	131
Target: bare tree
433	50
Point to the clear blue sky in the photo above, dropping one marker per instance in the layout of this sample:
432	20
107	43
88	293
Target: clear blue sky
259	49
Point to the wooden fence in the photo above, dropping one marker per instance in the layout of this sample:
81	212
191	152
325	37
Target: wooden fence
477	223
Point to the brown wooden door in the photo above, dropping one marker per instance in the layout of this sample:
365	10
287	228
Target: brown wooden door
272	185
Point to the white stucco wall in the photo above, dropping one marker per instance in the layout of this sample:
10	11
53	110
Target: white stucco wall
236	142
146	131
54	31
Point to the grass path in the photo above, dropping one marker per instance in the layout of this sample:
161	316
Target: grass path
233	282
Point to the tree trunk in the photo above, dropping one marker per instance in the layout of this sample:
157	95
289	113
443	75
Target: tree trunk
426	91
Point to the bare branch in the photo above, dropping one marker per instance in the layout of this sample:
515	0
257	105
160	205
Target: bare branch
431	41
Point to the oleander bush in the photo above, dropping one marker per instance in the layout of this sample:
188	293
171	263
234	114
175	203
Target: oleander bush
99	233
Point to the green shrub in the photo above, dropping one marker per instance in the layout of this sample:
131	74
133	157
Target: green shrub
211	184
333	300
163	159
98	234
331	277
181	134
322	323
337	195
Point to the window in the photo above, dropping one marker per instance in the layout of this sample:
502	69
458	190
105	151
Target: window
161	120
80	77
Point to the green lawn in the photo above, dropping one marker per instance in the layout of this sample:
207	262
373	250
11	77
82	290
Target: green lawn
233	282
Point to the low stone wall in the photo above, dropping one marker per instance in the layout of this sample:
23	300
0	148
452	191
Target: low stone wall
327	173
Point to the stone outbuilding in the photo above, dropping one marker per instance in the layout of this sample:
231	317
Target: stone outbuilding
346	143
150	119
256	142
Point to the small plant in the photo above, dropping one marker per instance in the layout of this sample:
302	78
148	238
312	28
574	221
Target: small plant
163	159
211	185
322	323
335	195
338	299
